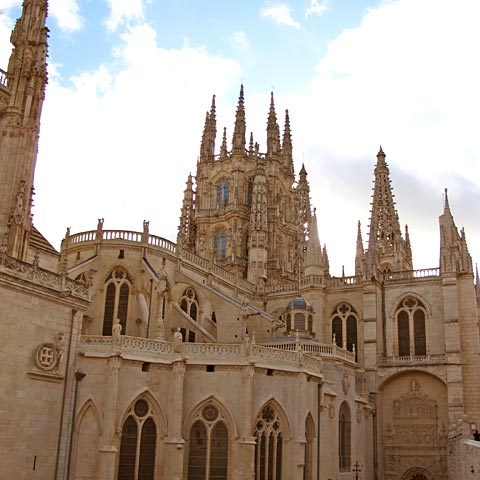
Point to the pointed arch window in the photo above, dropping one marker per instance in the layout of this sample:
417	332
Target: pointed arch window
138	444
344	327
411	316
344	437
189	303
118	286
269	448
223	193
220	245
208	446
309	437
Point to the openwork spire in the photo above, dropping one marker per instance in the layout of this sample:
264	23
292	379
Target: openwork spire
287	149
238	141
359	255
186	229
386	248
207	147
273	130
454	254
223	148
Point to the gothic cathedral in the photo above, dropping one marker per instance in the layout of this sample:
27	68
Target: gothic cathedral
232	353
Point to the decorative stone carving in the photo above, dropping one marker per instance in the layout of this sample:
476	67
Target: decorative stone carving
345	383
48	356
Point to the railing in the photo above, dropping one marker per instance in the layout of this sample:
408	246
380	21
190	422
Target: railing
235	352
424	273
317	280
342	281
146	345
412	360
35	274
323	350
283	287
126	235
195	259
211	349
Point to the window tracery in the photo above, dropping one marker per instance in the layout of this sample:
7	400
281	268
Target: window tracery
189	303
223	193
117	293
220	245
269	448
138	443
411	316
344	327
208	446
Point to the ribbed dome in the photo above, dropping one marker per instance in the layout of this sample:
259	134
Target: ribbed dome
299	303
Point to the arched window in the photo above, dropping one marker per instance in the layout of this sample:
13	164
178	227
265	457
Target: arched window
299	321
189	303
344	437
220	245
138	444
223	193
344	326
208	446
117	293
411	316
269	449
249	193
337	331
309	437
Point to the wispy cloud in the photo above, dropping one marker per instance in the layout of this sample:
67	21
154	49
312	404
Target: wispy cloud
123	11
316	8
280	14
240	41
67	14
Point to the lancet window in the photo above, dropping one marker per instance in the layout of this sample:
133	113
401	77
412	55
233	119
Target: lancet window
344	327
309	437
117	293
223	193
220	245
189	303
411	315
208	446
344	437
269	448
138	444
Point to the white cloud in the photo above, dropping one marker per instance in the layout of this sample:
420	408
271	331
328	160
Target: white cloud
280	14
129	138
240	41
67	14
396	80
316	8
123	11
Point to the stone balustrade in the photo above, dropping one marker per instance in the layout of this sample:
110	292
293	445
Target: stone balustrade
421	274
33	273
311	355
411	360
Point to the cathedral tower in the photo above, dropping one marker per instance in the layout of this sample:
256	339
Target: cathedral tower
245	212
22	89
387	250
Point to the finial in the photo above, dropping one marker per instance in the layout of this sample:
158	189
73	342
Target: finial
446	205
476	274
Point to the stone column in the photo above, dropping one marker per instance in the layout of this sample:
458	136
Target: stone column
108	450
245	460
174	443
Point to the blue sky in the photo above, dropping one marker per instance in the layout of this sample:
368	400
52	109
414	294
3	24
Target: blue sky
130	80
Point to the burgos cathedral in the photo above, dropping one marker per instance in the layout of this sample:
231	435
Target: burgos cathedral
232	353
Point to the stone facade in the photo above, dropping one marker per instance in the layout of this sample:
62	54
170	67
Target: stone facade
232	353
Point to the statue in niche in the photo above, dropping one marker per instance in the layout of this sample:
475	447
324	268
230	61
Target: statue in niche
60	347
